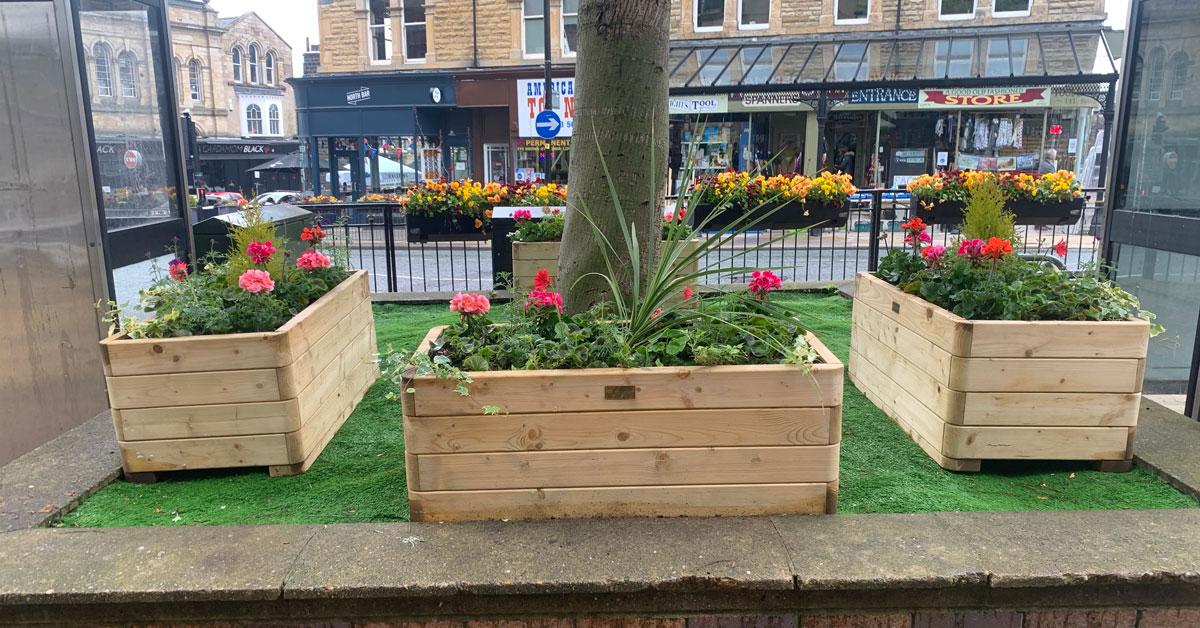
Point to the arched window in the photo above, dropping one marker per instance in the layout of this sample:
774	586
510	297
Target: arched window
237	65
178	79
252	54
269	68
273	119
127	74
1179	74
1155	72
103	60
253	120
195	81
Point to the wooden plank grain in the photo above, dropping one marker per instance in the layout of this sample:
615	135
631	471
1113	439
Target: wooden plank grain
627	467
192	389
623	430
1052	409
204	453
1040	443
1062	375
224	419
152	356
730	500
943	328
1060	339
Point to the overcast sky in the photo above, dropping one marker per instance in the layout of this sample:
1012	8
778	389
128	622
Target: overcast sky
297	19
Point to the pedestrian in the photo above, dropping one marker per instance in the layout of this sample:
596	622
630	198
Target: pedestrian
1049	162
846	163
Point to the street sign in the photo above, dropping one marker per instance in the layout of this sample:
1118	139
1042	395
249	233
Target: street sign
132	159
548	124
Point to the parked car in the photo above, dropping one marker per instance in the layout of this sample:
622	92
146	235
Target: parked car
274	198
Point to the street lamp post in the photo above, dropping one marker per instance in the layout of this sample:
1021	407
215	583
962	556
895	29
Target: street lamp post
548	91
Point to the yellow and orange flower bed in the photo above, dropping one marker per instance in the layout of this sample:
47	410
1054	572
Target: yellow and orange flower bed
955	185
322	198
745	189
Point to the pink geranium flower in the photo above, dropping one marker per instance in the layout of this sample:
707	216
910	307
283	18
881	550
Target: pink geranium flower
255	281
972	249
469	304
260	252
311	260
544	300
687	293
521	215
933	254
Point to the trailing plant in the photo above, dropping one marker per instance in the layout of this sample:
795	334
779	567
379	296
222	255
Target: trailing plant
955	185
253	288
548	228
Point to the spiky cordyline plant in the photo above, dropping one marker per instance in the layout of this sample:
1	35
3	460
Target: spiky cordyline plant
653	305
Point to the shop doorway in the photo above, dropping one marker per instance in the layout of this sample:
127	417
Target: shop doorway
495	162
785	151
846	136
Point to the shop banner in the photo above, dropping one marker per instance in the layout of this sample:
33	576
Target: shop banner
985	98
530	101
787	100
883	96
716	103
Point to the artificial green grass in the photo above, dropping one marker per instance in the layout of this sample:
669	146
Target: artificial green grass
360	475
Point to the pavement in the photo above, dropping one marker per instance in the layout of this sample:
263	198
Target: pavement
1169	443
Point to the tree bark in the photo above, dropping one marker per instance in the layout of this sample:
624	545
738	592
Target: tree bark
620	114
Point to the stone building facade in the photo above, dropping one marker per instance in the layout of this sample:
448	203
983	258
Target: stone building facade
789	54
504	33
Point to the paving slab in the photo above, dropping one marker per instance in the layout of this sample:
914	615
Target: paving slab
115	566
38	487
1001	550
549	557
1168	442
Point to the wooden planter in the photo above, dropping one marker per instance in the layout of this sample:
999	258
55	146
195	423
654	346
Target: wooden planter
529	257
271	399
968	391
668	441
1028	212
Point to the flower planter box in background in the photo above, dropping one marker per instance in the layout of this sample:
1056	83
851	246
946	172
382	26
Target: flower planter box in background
968	391
445	227
271	399
529	257
793	215
610	442
1028	212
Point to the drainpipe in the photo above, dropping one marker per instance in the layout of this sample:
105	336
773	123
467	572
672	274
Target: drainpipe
474	33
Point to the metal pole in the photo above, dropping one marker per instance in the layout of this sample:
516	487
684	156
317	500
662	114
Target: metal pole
548	92
876	228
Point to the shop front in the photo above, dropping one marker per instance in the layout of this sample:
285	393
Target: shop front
888	109
381	132
231	165
503	106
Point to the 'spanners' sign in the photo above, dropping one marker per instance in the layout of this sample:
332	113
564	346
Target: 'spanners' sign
531	102
985	98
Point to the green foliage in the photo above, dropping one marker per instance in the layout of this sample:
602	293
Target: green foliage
546	229
1011	289
984	216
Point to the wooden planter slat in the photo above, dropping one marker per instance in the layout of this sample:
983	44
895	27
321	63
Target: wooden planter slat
169	416
1057	396
624	430
729	500
625	442
627	467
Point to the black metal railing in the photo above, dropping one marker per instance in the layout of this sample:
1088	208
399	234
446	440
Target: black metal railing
373	236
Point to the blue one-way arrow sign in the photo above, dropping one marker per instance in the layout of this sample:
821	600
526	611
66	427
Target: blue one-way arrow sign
548	124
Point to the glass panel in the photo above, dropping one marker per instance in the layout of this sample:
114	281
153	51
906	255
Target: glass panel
1059	56
533	8
1011	6
380	44
133	155
414	11
716	63
252	54
850	64
788	62
958	8
570	26
237	65
710	13
1181	66
415	46
127	68
1160	169
1006	56
852	9
953	59
754	68
755	13
1167	284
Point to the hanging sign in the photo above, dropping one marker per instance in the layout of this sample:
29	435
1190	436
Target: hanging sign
883	96
132	159
716	103
985	98
531	102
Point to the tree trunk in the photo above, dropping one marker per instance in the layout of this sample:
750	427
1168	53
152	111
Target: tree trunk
620	114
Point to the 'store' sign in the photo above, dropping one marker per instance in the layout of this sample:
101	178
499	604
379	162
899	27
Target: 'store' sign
985	98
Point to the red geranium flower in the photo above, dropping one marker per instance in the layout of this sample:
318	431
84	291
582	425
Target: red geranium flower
313	234
762	282
260	252
1060	249
541	280
177	269
997	248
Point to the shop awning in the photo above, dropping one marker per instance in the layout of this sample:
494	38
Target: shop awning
1029	54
